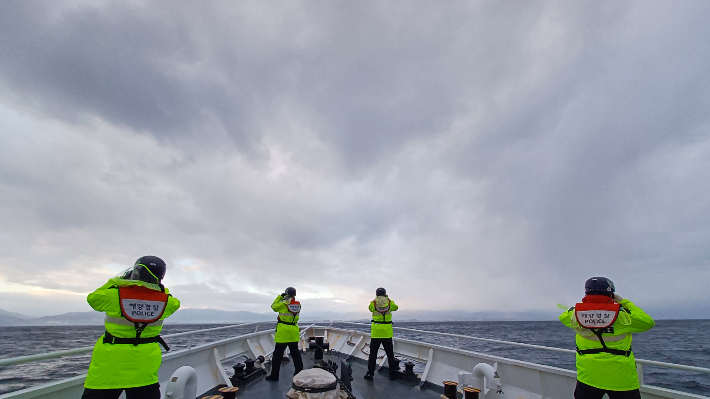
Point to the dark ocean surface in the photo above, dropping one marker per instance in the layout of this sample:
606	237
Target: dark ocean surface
673	341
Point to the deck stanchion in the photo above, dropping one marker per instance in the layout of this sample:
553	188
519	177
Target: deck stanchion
189	342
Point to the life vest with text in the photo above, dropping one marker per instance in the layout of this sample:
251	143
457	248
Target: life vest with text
598	314
294	308
140	306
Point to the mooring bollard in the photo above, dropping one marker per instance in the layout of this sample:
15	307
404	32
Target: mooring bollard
450	389
471	393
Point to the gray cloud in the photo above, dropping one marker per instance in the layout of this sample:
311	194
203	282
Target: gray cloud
483	155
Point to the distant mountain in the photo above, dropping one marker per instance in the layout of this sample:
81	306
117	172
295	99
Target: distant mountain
71	318
5	313
12	318
7	321
182	316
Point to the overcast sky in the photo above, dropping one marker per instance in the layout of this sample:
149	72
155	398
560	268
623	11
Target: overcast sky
487	155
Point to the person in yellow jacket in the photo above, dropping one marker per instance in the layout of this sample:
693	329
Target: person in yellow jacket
381	331
604	322
287	332
127	357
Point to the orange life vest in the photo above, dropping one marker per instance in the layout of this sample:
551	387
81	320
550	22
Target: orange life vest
294	307
141	304
596	311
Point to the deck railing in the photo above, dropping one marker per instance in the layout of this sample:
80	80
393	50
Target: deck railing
86	349
547	348
78	351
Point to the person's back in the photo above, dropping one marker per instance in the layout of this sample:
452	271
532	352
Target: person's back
381	332
287	333
127	357
603	323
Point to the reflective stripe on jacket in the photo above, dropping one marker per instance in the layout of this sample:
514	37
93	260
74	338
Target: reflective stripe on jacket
124	366
604	370
382	330
285	332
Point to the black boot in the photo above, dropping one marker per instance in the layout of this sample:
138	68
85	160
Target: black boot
369	375
271	377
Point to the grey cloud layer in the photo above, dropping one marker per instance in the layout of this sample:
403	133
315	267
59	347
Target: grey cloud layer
511	148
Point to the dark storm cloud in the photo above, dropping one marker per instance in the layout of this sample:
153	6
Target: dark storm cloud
119	62
374	76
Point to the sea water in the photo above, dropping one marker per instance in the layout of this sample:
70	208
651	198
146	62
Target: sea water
673	341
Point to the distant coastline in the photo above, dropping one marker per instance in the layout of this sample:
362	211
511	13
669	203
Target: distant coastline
215	316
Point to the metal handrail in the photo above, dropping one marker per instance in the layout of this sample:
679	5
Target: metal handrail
270	355
474	338
548	348
78	351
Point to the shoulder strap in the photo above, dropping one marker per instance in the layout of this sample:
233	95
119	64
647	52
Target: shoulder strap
598	333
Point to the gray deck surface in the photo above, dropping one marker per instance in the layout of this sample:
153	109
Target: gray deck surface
380	388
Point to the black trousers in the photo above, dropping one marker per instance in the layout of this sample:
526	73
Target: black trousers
374	347
146	392
584	391
279	355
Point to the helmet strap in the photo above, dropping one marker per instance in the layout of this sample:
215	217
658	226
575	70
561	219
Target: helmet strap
151	273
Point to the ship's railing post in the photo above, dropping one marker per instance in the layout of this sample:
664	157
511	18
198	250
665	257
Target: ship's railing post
189	343
639	371
256	329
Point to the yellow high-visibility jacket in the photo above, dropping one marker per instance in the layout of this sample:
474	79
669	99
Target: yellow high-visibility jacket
605	370
378	329
285	332
123	365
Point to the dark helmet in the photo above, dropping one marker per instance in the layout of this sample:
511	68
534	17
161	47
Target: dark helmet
148	269
381	291
599	286
290	291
